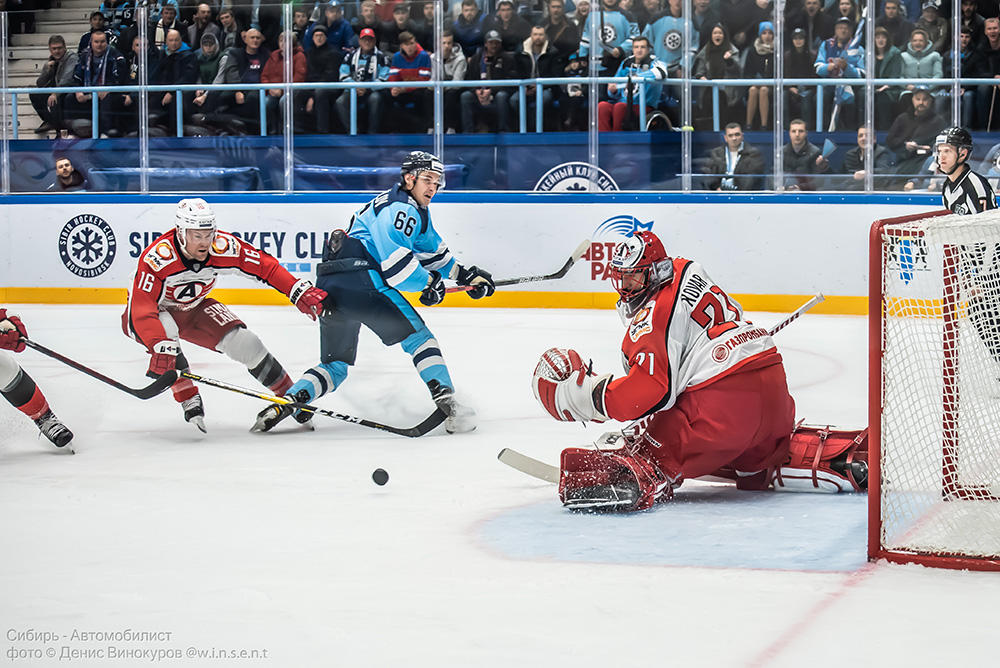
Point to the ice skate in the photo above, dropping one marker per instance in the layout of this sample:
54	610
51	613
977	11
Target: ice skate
194	412
460	418
55	431
268	418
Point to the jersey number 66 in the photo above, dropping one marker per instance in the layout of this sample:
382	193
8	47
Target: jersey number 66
404	223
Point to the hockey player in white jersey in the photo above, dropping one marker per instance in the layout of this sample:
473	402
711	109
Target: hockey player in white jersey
390	247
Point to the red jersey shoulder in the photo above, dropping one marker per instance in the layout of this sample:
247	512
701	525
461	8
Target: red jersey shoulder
225	246
161	253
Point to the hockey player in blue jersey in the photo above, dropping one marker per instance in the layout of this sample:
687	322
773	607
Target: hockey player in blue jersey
390	247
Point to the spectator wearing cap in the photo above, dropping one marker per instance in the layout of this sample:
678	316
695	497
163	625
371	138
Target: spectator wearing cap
810	19
367	18
411	63
899	27
799	60
513	29
489	63
97	22
839	59
989	50
391	31
366	63
338	31
323	65
468	28
274	73
935	25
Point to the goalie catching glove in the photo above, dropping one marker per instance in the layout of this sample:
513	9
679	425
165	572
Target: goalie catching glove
480	280
11	331
567	388
307	298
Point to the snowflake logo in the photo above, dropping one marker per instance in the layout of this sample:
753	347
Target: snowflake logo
87	246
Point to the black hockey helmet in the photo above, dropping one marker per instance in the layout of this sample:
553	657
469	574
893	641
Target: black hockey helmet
417	162
955	136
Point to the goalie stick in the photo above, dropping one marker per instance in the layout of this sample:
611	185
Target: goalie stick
156	387
549	473
796	314
432	421
576	255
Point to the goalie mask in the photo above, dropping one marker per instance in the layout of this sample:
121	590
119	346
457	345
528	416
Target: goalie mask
192	214
639	269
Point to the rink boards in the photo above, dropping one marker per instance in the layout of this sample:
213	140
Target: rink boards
770	251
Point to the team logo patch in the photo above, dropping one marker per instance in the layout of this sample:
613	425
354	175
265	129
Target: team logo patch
641	324
164	251
720	353
673	40
575	177
608	34
221	244
87	246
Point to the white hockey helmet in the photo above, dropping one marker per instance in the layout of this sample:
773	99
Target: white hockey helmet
192	214
639	268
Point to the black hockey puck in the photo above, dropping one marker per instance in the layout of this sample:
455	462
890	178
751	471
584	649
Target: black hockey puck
380	476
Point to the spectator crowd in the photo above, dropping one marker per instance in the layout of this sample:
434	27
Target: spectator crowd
242	42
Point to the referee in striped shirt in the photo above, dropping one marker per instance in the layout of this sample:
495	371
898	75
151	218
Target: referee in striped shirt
965	192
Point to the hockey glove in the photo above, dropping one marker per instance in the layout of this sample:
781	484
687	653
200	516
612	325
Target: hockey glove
434	292
308	298
11	331
567	389
164	358
481	281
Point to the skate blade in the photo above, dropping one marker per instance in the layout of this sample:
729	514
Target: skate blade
199	422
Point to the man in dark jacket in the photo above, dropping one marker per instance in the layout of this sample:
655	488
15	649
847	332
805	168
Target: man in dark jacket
100	65
563	34
912	136
57	72
322	64
735	165
241	65
800	157
537	59
490	62
854	164
178	66
513	30
468	28
899	28
817	24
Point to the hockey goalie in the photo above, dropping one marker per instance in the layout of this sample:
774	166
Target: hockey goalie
706	391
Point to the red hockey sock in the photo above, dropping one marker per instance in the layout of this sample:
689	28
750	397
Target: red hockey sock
37	405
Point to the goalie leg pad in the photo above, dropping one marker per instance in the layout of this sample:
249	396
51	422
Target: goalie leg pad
824	459
610	481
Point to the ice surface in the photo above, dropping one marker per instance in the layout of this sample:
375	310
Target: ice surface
282	542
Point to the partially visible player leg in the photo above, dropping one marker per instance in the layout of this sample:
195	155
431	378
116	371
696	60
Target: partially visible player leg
184	390
824	459
338	344
20	390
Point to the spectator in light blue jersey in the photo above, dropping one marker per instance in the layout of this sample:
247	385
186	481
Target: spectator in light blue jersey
615	30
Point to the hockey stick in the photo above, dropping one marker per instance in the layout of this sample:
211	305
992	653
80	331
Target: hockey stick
532	467
148	392
576	255
798	312
432	421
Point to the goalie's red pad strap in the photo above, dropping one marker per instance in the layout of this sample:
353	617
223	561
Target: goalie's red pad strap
813	448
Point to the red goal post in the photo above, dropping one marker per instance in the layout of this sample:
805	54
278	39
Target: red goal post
934	390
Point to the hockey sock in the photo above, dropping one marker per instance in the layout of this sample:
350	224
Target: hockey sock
427	358
25	396
321	379
271	374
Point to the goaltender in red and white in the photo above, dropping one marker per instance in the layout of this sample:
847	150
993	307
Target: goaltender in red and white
707	387
169	301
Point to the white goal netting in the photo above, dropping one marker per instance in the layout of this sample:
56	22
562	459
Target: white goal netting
939	483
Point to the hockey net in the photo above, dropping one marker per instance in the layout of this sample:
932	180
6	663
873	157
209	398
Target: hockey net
934	319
